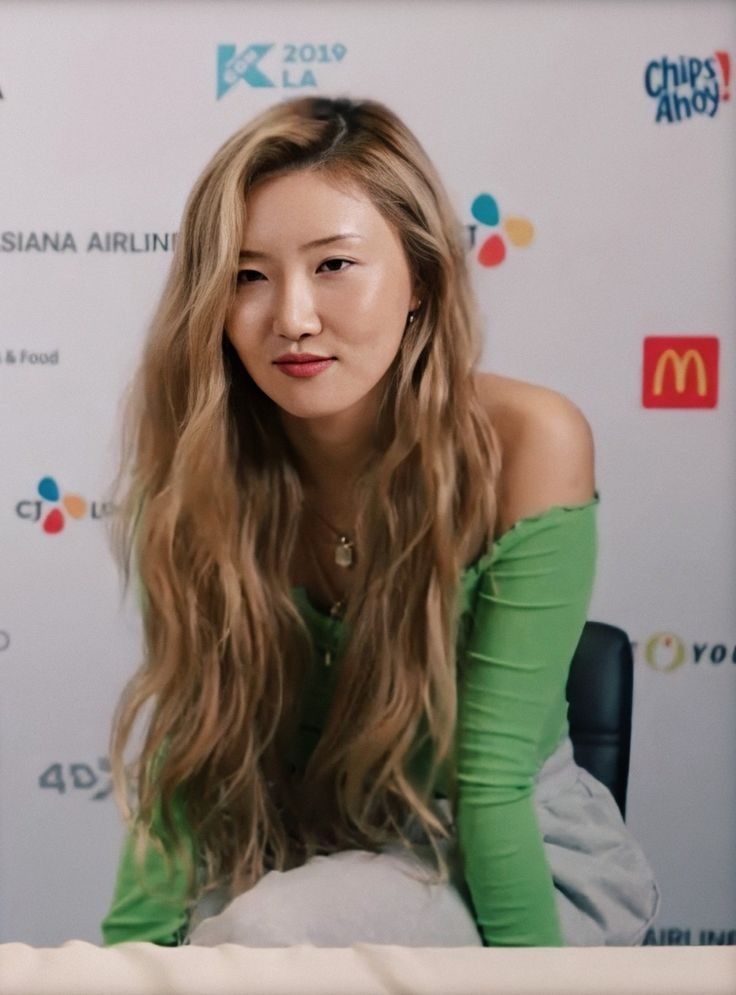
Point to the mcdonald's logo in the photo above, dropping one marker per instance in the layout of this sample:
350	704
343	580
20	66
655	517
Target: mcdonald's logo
680	371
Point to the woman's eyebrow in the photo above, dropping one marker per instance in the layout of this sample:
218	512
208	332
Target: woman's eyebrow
253	254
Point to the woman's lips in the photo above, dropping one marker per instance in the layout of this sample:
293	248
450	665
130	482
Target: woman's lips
309	369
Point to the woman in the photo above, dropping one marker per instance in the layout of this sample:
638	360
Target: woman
365	569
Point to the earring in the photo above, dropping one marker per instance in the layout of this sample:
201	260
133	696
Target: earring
413	314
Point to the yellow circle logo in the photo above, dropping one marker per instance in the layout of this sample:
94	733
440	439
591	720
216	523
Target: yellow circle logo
664	652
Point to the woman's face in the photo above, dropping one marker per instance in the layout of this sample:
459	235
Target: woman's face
322	272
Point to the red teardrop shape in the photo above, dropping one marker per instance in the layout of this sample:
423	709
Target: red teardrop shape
53	522
492	252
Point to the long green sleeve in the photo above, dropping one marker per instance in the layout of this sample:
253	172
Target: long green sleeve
531	605
147	904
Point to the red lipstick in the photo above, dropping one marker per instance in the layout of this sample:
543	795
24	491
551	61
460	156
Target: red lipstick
303	364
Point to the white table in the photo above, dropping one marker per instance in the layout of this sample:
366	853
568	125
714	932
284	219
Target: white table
81	968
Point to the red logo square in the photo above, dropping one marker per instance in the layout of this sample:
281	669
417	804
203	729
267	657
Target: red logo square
680	371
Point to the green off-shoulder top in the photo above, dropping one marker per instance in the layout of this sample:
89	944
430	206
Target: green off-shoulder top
522	607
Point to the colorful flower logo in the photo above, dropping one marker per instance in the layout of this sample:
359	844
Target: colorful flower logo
72	504
518	231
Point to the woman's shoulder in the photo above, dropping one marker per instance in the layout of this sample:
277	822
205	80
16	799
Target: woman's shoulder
547	448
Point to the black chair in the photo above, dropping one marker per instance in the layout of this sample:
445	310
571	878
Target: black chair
600	693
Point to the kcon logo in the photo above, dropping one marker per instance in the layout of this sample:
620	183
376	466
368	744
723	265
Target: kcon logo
490	247
291	66
666	652
53	520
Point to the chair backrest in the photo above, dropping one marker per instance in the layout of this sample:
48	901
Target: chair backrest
600	694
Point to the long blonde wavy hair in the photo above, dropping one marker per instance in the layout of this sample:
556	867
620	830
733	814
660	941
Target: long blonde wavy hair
209	502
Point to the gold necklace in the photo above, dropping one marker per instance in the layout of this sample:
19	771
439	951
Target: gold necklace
344	556
336	610
345	546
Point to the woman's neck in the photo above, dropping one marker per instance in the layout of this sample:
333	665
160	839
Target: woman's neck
331	451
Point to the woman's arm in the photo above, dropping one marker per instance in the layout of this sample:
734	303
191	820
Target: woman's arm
531	606
150	904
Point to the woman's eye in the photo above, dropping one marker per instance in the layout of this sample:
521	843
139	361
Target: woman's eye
249	275
335	264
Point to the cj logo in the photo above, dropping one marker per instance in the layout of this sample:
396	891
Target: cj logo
54	519
492	250
232	67
680	372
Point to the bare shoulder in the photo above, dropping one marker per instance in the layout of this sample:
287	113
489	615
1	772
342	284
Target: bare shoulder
547	448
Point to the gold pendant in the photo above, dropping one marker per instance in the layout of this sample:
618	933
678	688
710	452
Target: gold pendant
344	552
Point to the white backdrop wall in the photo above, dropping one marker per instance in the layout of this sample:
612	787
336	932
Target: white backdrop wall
602	136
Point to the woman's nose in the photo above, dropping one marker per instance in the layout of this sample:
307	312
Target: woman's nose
295	310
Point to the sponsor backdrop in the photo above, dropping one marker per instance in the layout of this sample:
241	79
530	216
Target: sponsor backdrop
589	147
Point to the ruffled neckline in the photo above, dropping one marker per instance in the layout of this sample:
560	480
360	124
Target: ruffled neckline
471	572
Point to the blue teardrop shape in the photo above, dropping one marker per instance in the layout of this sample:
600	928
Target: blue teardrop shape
48	489
485	209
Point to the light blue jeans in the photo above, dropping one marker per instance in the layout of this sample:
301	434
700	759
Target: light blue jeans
605	890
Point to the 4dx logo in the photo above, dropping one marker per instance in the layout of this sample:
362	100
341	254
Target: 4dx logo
79	776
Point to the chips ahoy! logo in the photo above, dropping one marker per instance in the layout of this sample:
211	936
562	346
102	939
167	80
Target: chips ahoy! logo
53	519
690	87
